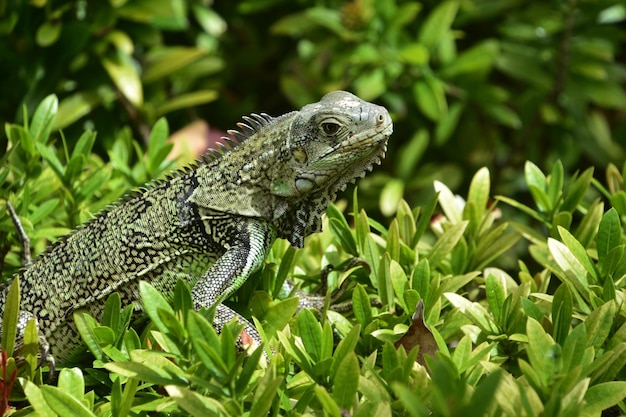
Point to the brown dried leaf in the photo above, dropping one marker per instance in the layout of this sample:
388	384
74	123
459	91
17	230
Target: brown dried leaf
419	335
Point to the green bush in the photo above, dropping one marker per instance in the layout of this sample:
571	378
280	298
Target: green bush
508	301
547	338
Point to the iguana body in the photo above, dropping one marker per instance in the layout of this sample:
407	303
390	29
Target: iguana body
211	224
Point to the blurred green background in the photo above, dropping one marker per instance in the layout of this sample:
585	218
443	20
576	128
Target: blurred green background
469	83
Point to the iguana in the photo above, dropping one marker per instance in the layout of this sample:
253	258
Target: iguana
211	224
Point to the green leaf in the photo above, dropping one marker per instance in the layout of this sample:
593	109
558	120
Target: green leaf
43	119
535	178
483	396
265	394
111	316
346	381
607	366
158	148
84	145
609	235
205	341
165	61
588	227
184	101
421	280
473	311
345	347
451	206
164	14
479	190
555	184
531	309
414	53
544	355
410	154
50	157
390	196
36	399
449	122
48	33
412	403
399	282
504	115
149	366
437	24
152	301
75	106
370	84
128	397
341	230
476	60
523	208
63	403
605	94
279	314
243	382
562	307
446	243
579	252
602	396
429	94
329	405
361	306
573	272
195	404
423	220
577	190
30	350
599	323
85	325
311	334
123	72
496	293
71	382
10	316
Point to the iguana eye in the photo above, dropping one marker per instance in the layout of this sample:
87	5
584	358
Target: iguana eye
330	128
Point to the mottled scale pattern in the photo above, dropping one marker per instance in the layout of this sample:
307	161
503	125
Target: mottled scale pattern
211	224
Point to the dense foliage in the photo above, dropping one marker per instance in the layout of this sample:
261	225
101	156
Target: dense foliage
514	291
470	83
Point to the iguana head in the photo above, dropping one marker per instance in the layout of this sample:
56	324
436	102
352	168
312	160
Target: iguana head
330	143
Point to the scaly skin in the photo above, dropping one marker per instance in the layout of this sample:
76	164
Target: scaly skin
211	224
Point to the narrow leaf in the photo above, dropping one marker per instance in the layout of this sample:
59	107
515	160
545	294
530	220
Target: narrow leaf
195	404
573	271
602	396
41	123
562	307
11	314
346	381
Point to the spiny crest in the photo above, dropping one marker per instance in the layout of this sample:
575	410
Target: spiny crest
252	125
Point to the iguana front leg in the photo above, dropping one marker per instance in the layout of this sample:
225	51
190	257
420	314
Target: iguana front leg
247	243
